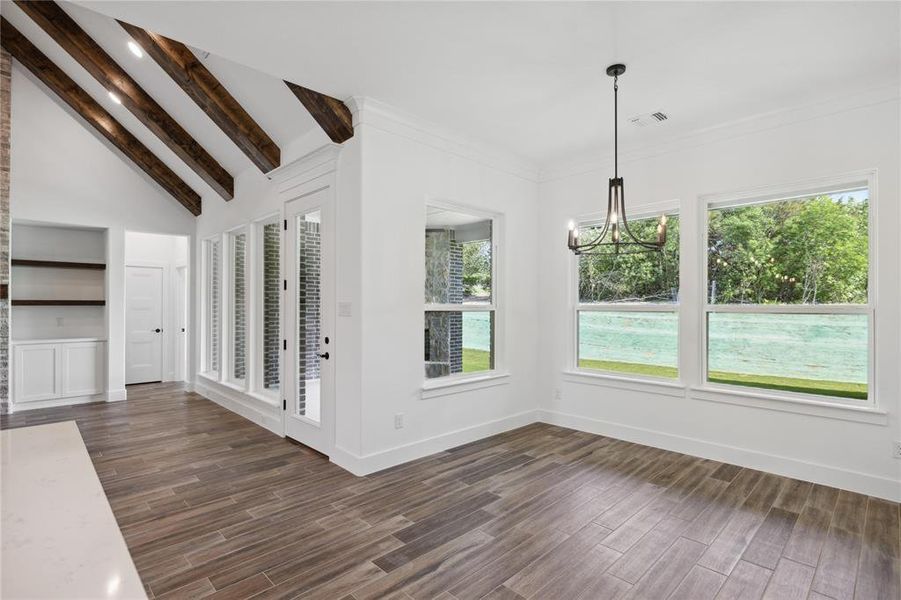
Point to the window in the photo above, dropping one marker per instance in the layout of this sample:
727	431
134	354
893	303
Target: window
213	308
787	300
238	304
627	318
268	235
460	294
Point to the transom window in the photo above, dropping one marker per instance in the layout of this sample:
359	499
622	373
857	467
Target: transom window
627	319
460	300
788	297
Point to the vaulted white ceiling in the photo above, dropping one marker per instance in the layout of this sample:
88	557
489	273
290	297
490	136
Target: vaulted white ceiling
529	76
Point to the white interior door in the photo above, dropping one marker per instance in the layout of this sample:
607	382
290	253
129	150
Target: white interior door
143	324
181	339
310	358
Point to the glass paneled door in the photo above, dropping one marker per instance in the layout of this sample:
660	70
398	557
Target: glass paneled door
309	359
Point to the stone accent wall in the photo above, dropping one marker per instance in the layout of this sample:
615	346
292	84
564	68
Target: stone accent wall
308	306
271	293
215	304
239	304
5	124
444	285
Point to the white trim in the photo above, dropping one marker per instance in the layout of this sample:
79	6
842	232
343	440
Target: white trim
117	395
253	409
379	115
874	485
16	407
672	307
805	404
446	386
377	461
320	161
790	191
635	383
760	123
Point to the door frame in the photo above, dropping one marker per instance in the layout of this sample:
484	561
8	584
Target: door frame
328	256
164	351
182	278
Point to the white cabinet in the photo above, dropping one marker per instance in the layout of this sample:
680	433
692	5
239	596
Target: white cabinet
56	369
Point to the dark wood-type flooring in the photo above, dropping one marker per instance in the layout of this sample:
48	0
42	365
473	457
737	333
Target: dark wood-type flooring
214	506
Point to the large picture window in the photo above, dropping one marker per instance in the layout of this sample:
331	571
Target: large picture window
787	298
627	319
460	295
212	252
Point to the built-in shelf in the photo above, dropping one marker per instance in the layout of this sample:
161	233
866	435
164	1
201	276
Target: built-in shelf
58	302
57	264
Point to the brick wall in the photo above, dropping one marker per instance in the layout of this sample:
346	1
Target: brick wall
5	113
308	300
271	292
239	304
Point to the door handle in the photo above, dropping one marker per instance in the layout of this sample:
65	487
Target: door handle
157	330
324	355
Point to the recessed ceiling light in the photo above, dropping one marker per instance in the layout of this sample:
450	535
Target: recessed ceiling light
115	98
135	49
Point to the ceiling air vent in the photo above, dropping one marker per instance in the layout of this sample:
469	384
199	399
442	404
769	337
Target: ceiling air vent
646	119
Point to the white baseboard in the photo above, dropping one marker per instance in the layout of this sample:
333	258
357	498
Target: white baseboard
116	395
15	407
247	406
378	461
873	485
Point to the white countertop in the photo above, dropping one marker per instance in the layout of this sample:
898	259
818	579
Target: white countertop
59	536
70	340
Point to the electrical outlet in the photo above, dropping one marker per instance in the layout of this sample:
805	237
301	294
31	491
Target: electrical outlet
896	449
399	421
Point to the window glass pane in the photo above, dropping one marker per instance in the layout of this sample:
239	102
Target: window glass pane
458	257
640	277
808	353
308	314
640	343
271	293
239	306
812	250
458	342
214	284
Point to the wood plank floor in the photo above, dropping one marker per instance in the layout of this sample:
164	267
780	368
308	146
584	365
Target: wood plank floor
214	506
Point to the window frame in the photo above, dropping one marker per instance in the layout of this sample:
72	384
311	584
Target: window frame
774	193
258	273
646	211
494	307
206	320
228	339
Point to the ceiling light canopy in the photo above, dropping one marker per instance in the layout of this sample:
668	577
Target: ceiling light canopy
621	239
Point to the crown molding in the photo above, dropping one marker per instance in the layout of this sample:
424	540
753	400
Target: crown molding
313	164
374	113
733	129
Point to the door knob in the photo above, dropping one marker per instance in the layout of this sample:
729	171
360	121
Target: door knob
157	330
324	355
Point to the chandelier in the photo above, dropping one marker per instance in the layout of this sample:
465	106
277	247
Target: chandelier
621	239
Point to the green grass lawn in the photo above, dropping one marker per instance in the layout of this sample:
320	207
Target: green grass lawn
476	360
842	389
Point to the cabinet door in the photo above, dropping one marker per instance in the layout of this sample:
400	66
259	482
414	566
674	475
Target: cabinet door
37	369
82	368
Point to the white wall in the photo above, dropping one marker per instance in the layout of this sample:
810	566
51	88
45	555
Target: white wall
403	169
822	447
62	173
168	252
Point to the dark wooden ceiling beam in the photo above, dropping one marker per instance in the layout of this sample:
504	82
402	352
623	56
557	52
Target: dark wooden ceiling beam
74	40
96	116
332	115
195	79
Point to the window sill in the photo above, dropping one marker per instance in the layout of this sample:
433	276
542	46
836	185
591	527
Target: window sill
271	400
663	387
445	387
831	410
210	376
